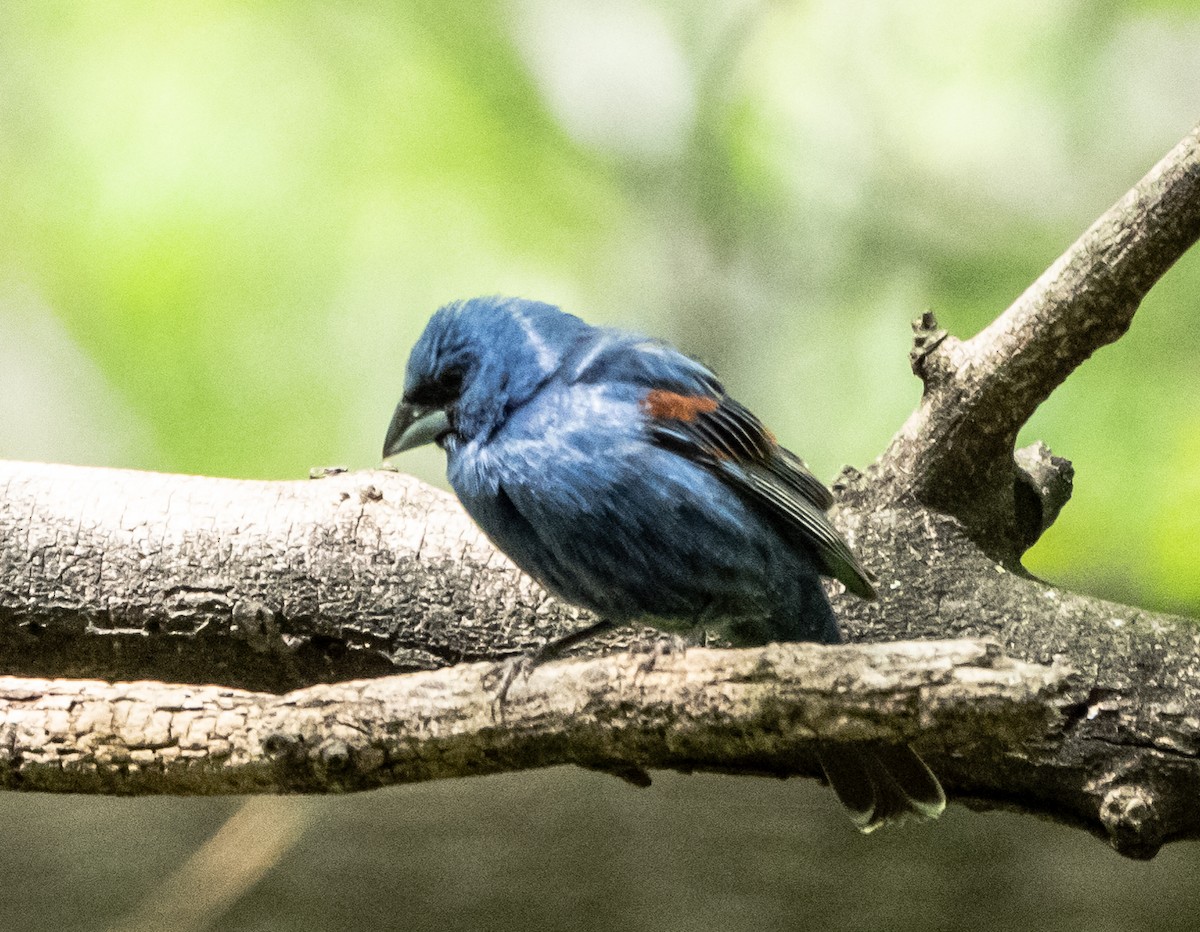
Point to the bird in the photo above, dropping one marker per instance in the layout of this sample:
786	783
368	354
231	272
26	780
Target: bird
618	473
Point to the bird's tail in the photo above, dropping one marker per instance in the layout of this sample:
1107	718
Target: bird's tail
882	784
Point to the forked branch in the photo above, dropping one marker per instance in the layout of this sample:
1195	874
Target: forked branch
955	452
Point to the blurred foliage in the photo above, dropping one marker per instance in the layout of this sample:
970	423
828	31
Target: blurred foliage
223	224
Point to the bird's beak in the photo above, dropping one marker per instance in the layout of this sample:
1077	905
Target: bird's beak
414	426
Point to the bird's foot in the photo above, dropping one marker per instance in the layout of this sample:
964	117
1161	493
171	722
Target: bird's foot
500	679
507	672
659	648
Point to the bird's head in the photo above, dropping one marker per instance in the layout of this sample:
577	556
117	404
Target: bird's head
477	361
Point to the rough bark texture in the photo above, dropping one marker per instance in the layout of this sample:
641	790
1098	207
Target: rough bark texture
750	710
263	585
273	586
1135	737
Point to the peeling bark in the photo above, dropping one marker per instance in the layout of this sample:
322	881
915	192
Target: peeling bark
275	586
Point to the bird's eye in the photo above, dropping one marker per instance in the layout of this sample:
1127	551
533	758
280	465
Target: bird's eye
442	389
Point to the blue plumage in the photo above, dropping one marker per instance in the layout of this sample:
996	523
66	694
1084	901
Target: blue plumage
618	473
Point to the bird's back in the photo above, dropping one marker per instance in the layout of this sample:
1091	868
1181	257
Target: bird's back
577	490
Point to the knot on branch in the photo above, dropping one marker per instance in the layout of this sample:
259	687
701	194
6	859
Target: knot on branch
257	625
931	356
1042	486
1132	821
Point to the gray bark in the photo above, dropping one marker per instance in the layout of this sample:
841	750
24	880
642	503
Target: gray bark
749	710
277	586
264	585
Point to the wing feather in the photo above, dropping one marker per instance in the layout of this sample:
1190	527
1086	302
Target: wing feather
726	437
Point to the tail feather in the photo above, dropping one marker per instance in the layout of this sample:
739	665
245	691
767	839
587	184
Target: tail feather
882	784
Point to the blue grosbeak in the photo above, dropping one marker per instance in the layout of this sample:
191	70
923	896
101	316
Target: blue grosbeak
619	474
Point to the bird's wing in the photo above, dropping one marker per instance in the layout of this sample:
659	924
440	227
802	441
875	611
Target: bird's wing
688	412
716	431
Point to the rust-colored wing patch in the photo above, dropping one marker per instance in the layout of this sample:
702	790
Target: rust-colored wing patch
664	404
724	436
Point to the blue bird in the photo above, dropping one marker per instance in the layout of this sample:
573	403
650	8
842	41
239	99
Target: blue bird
618	473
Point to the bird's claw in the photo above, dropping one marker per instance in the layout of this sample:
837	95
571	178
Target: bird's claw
659	648
502	677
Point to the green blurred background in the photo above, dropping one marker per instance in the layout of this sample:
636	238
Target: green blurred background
223	224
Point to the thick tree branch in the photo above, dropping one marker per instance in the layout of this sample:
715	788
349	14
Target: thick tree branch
748	710
264	585
86	560
955	453
1137	732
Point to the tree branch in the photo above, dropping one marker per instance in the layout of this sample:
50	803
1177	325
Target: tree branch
754	710
263	585
955	453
